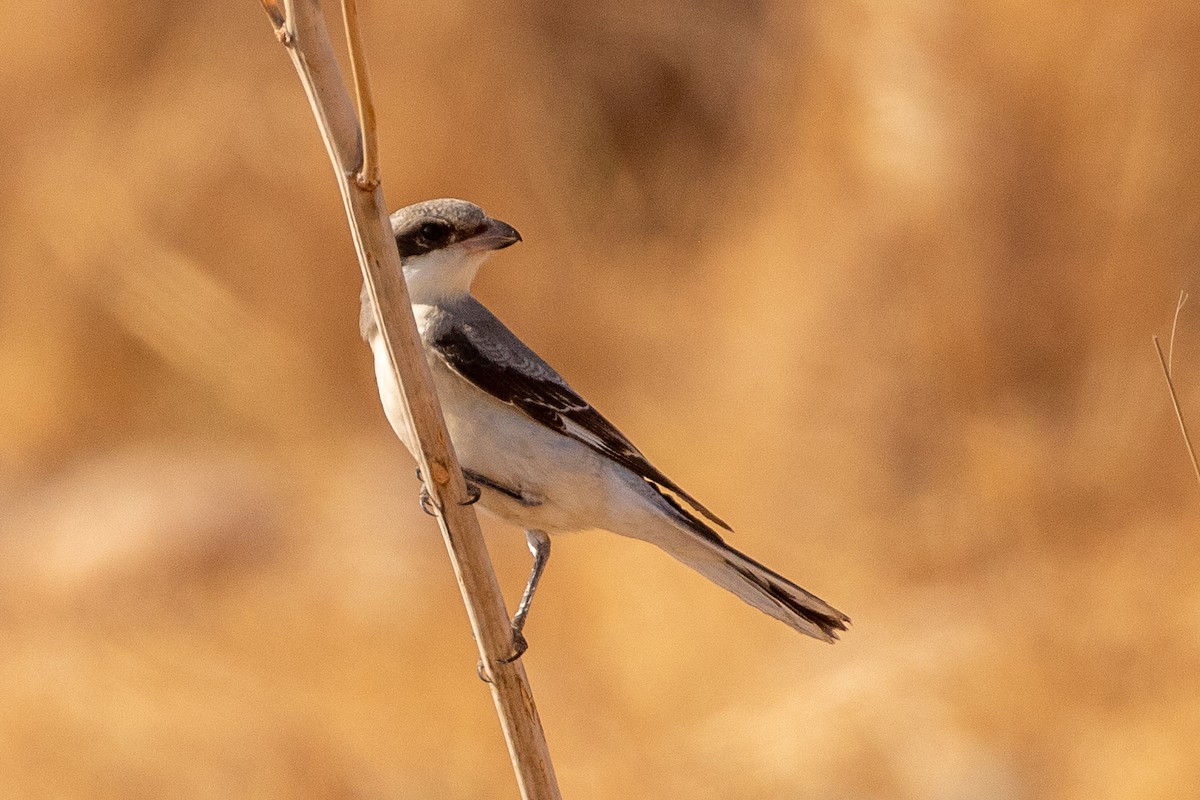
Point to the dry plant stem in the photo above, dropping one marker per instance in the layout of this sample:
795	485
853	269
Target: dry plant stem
1179	304
299	25
1187	440
368	174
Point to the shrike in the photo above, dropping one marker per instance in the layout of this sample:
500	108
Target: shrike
532	449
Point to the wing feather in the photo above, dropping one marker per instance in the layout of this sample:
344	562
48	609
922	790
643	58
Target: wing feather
501	365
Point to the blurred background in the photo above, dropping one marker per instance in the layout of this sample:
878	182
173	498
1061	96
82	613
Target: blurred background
876	282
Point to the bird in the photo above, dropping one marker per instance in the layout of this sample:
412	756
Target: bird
535	453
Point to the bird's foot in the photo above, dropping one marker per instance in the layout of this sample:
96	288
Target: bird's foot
427	502
519	645
423	498
473	495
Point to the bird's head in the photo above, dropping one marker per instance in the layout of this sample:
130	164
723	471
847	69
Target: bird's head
442	244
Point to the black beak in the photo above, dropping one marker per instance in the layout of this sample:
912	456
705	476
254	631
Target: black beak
492	235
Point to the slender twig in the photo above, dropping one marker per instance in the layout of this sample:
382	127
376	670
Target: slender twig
301	28
1183	298
277	14
368	173
1187	440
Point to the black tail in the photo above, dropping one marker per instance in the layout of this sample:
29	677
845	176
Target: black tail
700	547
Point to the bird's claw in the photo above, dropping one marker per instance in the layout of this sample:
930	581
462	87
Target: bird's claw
423	498
427	502
520	645
473	495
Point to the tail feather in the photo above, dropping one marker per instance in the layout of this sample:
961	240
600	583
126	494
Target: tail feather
764	589
803	610
689	540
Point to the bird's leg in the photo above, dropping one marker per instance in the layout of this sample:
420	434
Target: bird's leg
539	545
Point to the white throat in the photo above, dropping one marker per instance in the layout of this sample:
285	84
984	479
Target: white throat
442	275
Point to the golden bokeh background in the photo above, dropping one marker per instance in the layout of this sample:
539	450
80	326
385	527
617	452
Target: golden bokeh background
874	281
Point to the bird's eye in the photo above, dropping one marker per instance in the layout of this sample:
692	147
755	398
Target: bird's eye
433	234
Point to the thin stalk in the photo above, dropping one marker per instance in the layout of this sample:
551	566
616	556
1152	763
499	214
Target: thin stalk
300	27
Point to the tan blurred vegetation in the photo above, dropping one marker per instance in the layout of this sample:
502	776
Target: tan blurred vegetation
875	281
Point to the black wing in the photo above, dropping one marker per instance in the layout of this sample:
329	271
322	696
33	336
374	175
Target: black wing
512	373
